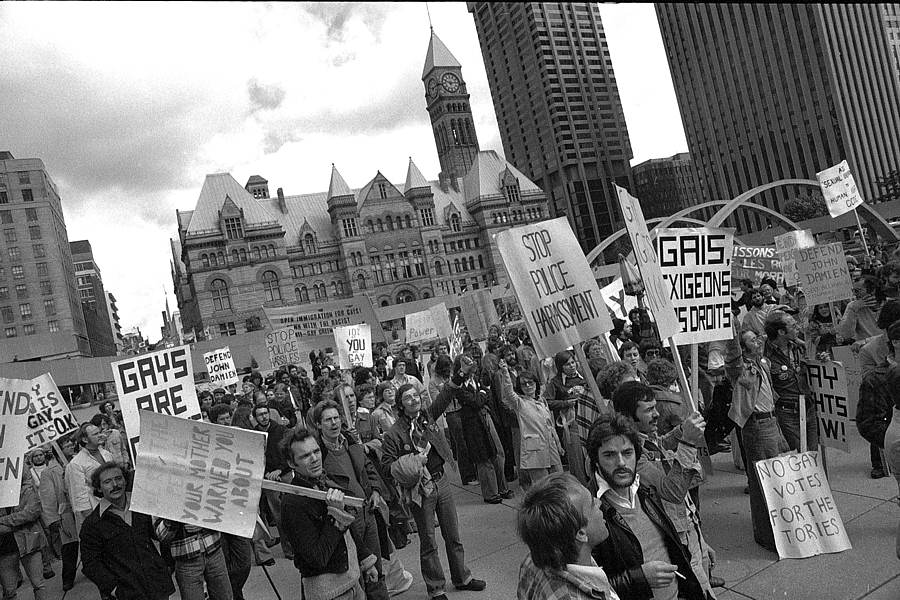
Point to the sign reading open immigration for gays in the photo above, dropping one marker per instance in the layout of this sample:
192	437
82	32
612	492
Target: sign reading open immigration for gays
802	511
160	382
696	269
199	473
554	284
315	323
828	385
15	407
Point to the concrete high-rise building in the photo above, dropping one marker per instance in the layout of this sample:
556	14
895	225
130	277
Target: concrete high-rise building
781	91
666	185
40	313
892	26
558	108
114	321
94	301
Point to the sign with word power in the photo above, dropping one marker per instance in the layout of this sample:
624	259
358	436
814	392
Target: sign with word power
824	274
802	511
786	246
354	344
696	269
199	473
554	285
160	382
839	189
15	411
828	386
220	367
657	294
420	327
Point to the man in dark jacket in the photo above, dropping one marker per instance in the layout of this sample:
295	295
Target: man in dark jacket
875	408
117	550
643	552
276	468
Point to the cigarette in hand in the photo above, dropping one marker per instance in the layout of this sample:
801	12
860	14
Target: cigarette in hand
677	574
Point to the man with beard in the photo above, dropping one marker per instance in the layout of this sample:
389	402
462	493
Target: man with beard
787	363
643	555
755	319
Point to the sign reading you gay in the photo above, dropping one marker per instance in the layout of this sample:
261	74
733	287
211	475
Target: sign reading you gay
554	284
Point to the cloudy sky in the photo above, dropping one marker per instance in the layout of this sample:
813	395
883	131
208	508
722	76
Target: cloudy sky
131	105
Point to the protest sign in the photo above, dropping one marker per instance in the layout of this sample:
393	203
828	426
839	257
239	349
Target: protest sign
455	338
479	313
315	323
354	345
420	327
786	246
824	274
828	389
220	367
850	361
802	511
441	319
554	284
656	293
15	407
696	268
160	382
286	348
49	416
839	189
199	473
617	300
755	263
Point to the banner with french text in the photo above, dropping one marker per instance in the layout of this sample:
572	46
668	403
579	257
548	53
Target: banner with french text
696	267
354	346
315	322
220	367
802	511
656	293
828	387
199	473
160	382
839	189
755	263
824	274
15	410
555	286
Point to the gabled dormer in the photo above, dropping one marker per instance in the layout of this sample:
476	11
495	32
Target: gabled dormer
307	239
379	191
509	185
231	220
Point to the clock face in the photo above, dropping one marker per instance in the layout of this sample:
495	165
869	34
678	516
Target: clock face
450	82
432	88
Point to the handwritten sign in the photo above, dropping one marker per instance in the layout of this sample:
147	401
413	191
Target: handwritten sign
420	327
199	473
824	274
850	361
755	263
786	246
839	189
455	338
160	382
441	319
656	293
617	300
284	348
354	344
220	367
49	416
479	313
828	385
696	269
554	285
315	323
15	408
804	516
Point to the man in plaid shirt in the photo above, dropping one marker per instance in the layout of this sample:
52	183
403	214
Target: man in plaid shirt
198	557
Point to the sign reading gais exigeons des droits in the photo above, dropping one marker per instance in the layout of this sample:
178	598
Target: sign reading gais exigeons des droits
554	284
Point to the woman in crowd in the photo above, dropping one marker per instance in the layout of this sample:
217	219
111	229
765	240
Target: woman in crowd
562	394
821	333
383	414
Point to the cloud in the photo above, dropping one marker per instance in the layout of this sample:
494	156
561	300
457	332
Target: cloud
263	97
337	17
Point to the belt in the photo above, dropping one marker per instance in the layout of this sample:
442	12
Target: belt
437	473
760	416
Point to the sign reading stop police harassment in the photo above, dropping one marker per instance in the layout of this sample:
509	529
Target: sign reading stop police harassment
657	294
696	268
839	189
160	382
220	367
554	284
354	344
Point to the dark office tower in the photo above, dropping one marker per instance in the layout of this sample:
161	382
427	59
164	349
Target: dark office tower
780	91
892	24
558	107
448	107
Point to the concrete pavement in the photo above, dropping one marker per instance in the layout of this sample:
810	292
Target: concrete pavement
870	570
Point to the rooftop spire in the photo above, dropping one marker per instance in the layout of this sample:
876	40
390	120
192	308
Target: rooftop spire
438	55
414	177
337	187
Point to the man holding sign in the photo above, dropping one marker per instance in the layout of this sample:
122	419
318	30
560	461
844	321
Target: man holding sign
788	368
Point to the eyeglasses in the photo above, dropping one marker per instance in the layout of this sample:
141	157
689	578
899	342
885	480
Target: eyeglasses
527	383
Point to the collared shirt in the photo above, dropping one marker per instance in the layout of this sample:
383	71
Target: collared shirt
592	575
187	541
575	582
125	515
788	370
614	498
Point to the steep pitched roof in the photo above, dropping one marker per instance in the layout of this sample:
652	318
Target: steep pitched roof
483	178
337	187
256	179
438	55
216	188
414	177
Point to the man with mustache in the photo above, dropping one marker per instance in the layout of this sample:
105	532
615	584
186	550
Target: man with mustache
643	555
117	550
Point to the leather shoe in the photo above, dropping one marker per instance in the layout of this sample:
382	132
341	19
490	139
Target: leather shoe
268	563
507	494
877	473
474	585
716	581
494	500
49	574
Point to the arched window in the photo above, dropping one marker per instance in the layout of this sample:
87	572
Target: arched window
204	259
426	295
384	303
270	286
235	257
370	226
255	253
221	301
480	262
404	297
264	252
272	250
243	254
390	224
361	281
222	258
472	263
302	294
469	135
456	268
454	223
438	270
408	221
380	225
337	288
309	244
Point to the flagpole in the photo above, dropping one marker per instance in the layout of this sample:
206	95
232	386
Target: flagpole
862	234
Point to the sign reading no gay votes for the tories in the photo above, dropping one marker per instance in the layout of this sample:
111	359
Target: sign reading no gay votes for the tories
802	511
554	284
160	382
354	346
696	268
220	367
199	473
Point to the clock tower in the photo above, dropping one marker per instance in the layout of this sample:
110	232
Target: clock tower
448	106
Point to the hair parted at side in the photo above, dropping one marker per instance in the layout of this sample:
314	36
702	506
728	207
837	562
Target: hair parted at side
97	475
548	521
608	426
321	407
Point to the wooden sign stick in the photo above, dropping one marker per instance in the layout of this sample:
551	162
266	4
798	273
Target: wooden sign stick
277	486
